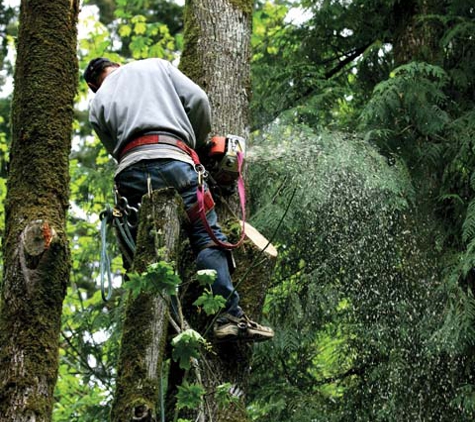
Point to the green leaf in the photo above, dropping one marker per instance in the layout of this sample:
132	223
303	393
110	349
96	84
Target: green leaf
223	395
186	346
163	277
210	303
140	28
189	396
135	284
206	277
125	31
139	46
160	277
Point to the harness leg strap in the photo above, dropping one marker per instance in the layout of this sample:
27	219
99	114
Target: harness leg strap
194	212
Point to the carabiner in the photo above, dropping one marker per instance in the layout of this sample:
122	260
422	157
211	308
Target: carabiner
202	173
133	214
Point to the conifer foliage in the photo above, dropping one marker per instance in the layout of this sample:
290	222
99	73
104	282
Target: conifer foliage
360	171
401	323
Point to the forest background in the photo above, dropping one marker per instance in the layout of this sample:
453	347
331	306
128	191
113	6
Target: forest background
362	148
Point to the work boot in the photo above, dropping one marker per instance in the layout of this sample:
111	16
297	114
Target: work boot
231	328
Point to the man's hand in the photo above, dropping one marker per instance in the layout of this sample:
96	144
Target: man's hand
203	153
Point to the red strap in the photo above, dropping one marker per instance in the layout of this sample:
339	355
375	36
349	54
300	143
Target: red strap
242	198
194	211
157	139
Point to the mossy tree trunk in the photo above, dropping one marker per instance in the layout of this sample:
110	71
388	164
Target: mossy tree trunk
217	56
35	247
145	328
417	39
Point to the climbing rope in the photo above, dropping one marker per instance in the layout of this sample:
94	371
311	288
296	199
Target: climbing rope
124	218
105	267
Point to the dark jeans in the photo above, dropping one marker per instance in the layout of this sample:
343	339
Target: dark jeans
163	173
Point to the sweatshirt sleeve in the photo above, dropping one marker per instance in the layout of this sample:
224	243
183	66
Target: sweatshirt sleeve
106	139
196	104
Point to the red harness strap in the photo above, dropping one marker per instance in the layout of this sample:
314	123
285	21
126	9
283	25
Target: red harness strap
194	212
242	198
205	201
158	139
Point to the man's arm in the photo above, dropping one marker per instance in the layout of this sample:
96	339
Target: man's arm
196	104
104	136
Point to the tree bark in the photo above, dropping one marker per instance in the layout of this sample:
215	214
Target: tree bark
217	57
227	362
146	322
35	248
415	38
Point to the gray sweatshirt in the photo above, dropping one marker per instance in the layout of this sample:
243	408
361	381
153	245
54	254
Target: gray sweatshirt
149	96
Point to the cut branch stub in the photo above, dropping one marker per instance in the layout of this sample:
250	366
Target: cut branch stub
36	238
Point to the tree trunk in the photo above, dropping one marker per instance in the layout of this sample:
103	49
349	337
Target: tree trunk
146	321
217	57
35	248
416	38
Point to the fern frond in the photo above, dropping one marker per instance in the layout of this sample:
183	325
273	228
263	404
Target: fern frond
468	227
412	95
464	30
432	153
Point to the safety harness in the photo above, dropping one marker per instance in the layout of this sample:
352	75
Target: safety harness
124	218
205	200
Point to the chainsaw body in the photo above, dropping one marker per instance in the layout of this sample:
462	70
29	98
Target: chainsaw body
224	154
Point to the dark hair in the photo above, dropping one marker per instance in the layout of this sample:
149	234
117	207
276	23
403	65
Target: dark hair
94	70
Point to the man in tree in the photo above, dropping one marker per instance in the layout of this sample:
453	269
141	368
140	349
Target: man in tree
151	118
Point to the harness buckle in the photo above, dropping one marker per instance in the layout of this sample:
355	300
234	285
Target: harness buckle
116	212
202	173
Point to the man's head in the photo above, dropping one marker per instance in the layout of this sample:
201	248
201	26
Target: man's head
97	70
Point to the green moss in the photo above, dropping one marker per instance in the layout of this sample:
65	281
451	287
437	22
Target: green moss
34	288
33	317
191	63
134	385
245	5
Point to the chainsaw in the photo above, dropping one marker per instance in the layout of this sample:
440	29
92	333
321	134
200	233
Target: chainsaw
224	163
